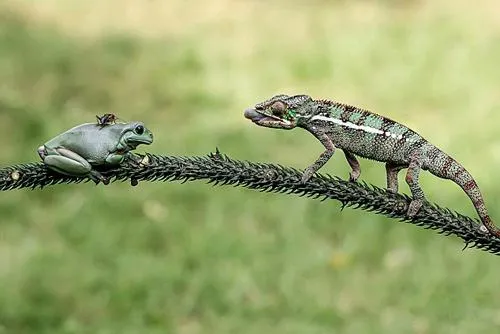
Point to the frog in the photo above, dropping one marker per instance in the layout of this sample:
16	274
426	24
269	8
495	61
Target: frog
78	150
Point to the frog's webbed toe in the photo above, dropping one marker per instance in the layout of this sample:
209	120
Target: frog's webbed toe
42	152
133	159
98	177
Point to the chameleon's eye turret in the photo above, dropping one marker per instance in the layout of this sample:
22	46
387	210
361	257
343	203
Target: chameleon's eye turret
139	129
278	108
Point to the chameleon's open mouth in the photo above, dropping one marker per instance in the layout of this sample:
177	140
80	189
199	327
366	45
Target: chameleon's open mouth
257	117
253	115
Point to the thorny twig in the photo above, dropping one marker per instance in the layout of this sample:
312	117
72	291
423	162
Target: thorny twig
219	169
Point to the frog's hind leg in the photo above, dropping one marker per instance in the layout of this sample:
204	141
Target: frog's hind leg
70	163
66	162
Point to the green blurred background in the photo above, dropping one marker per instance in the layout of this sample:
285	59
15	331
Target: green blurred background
190	258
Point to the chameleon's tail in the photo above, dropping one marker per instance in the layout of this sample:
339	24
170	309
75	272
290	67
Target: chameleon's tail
452	170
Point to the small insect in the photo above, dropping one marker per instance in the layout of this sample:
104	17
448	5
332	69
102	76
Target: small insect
106	119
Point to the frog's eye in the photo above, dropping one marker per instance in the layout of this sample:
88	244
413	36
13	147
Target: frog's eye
278	108
139	129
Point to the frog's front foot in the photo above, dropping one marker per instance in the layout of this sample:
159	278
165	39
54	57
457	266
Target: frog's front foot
133	159
136	162
42	152
98	177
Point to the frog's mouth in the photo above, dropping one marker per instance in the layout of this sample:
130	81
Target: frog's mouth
143	140
135	141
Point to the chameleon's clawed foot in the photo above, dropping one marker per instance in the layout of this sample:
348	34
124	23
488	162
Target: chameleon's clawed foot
354	176
483	229
308	173
414	207
392	190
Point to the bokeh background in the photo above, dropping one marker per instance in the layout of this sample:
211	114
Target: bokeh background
190	258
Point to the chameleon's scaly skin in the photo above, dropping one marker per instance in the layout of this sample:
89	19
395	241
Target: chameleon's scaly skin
359	132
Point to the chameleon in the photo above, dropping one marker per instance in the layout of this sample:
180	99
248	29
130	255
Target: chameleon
362	133
76	151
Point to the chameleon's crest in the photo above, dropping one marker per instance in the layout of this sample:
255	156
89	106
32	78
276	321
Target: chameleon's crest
264	105
290	101
297	101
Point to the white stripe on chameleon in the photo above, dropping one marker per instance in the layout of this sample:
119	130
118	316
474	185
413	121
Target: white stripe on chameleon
358	127
348	124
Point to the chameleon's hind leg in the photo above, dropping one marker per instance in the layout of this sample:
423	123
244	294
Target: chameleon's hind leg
323	158
412	176
354	163
392	171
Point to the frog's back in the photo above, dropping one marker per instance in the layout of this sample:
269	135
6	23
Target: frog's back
91	141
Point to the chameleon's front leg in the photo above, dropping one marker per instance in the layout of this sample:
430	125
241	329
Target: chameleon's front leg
412	176
323	158
392	171
354	163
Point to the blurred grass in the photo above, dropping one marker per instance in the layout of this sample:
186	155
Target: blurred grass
195	259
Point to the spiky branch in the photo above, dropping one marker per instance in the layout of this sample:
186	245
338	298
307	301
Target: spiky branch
219	169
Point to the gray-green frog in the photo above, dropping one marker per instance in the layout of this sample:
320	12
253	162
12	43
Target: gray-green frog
77	150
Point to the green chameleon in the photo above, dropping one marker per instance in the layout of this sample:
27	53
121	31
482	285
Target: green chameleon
77	150
359	132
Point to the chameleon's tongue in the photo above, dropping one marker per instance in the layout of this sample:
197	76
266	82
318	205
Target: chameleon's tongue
253	115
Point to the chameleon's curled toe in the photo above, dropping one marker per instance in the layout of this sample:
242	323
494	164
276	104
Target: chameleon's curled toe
414	207
354	176
483	229
308	173
392	190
